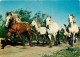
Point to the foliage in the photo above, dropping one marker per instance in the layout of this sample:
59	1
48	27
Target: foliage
25	15
69	52
3	31
41	17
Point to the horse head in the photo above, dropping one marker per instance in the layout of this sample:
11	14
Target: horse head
12	18
35	22
9	19
71	19
48	21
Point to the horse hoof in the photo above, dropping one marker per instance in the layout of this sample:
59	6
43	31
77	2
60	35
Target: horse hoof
38	43
42	44
59	43
50	46
23	44
55	44
2	48
31	45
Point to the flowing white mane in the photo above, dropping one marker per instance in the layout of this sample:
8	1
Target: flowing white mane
65	31
41	30
73	26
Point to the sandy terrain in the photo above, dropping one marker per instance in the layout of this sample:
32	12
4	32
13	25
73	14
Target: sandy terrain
35	51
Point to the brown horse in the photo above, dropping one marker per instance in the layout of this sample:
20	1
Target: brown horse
14	17
17	28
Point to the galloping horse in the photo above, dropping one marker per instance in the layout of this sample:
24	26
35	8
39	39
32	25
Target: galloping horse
17	28
66	34
15	17
72	27
40	30
52	29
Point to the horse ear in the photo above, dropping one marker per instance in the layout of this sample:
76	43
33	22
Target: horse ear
50	16
10	13
7	13
72	14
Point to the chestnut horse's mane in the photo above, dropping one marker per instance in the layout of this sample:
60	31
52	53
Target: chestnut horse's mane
13	17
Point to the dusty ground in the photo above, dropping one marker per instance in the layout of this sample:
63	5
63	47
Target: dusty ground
36	51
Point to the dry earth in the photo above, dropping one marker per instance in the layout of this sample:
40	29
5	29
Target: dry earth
35	51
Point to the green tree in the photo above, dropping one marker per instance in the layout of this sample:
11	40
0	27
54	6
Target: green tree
41	17
25	15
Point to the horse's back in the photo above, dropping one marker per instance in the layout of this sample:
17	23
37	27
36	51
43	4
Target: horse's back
42	30
53	28
21	26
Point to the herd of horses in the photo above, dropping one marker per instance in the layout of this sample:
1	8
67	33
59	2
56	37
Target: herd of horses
17	27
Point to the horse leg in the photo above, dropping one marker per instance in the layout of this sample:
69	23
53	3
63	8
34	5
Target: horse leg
20	38
63	38
14	37
46	39
55	41
30	38
50	40
58	38
36	38
71	40
66	39
43	39
75	38
4	43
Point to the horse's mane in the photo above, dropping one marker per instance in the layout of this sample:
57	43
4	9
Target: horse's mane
13	17
39	25
72	15
73	18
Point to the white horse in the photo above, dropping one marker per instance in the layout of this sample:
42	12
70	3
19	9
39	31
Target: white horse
52	28
39	29
72	27
65	32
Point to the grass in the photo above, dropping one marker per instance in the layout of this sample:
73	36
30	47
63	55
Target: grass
69	52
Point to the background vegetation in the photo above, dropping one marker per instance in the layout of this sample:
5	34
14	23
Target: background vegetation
26	16
69	52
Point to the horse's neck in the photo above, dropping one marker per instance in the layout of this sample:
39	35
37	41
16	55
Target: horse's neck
37	28
65	30
11	23
72	24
